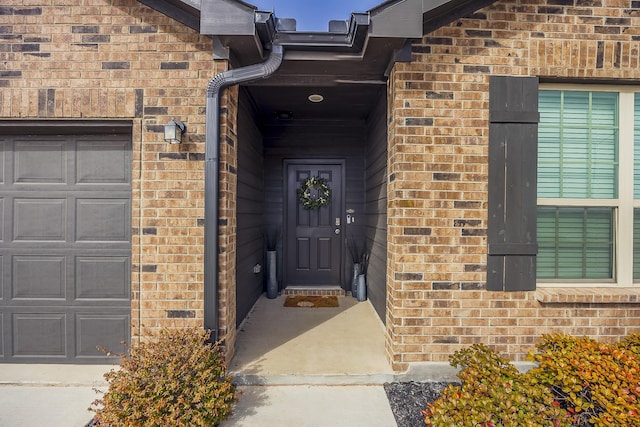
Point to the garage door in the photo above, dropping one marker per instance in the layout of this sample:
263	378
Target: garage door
65	242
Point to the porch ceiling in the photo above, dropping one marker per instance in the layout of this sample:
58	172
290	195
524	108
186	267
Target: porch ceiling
345	102
350	84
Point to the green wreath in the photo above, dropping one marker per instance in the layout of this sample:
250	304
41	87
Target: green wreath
310	201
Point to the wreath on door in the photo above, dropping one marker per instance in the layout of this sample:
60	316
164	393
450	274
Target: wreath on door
317	199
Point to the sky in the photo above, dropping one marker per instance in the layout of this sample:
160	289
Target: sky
314	15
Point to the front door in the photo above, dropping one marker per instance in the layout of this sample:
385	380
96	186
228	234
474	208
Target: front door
314	238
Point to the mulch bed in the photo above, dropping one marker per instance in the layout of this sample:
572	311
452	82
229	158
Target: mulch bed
409	399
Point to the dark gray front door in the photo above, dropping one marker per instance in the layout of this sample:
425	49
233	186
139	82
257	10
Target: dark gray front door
65	246
313	251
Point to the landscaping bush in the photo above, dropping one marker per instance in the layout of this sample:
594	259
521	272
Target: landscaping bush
597	383
632	343
178	379
493	393
576	382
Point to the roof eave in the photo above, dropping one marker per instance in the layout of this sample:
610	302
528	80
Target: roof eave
186	12
244	32
391	18
441	13
350	38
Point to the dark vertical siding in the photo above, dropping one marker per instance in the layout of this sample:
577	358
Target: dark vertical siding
376	206
313	140
250	212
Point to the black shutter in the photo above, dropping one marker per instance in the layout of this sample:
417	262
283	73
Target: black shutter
513	164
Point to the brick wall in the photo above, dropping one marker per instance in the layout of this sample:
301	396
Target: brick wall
438	139
119	59
227	221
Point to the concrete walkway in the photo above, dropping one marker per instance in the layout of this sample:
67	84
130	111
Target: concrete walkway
312	406
276	342
296	367
311	367
64	404
51	395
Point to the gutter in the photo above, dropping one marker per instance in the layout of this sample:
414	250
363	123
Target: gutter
212	171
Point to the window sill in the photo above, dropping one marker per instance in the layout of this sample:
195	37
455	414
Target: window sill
589	295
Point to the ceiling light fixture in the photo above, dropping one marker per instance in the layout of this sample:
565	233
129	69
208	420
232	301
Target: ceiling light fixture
284	115
316	97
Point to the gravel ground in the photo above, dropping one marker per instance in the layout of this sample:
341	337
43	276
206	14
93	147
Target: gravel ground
409	399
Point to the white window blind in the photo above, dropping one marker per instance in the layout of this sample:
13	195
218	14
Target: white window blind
577	145
578	181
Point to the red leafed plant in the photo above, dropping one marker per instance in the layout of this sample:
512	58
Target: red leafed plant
598	383
177	379
493	393
576	382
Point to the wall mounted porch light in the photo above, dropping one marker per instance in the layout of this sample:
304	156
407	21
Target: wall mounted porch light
173	131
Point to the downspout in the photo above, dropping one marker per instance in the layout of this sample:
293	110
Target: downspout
211	174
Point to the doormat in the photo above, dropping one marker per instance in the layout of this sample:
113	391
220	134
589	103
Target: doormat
311	301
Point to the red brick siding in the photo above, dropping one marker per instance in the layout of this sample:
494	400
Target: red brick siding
119	59
438	137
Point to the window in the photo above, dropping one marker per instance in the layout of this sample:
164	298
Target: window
589	186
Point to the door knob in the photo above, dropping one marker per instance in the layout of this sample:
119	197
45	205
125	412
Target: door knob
337	231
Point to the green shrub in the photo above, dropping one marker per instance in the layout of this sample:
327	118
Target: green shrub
599	384
493	393
178	379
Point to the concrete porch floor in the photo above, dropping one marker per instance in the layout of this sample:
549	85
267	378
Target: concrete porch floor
283	345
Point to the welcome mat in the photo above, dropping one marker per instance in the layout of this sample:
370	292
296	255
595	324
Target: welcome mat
311	301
